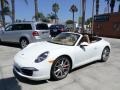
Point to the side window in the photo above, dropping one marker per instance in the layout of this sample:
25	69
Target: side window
22	27
26	27
8	28
15	27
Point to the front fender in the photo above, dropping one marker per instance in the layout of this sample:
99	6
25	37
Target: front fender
61	52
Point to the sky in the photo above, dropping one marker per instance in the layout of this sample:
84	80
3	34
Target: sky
24	11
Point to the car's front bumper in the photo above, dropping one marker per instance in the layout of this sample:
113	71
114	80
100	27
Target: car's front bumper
33	74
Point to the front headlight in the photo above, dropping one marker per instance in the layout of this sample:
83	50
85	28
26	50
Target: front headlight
42	57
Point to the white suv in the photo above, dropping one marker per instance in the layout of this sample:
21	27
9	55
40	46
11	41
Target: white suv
25	33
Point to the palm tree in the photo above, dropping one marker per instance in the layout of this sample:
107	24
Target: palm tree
40	16
55	9
36	10
13	9
97	7
108	2
51	17
112	5
73	9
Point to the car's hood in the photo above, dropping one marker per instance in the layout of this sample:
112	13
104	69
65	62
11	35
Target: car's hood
32	51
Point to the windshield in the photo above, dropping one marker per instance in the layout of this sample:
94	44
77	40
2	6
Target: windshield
57	26
65	39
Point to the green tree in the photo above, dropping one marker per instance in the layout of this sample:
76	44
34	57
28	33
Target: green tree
80	20
51	17
73	9
69	22
55	9
112	5
88	21
40	16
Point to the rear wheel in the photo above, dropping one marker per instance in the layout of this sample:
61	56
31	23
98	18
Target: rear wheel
60	68
105	54
24	42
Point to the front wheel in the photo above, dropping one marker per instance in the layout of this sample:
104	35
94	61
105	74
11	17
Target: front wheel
24	43
0	41
105	54
60	68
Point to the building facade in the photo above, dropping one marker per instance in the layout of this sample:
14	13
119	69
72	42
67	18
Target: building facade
107	25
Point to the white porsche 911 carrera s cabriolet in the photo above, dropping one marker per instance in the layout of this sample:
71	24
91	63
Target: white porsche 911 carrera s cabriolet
56	57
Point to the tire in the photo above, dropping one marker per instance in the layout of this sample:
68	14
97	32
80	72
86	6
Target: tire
60	68
0	41
105	54
24	42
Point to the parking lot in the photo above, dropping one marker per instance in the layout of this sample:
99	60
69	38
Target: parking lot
95	76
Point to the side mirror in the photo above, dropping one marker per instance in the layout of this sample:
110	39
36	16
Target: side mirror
84	44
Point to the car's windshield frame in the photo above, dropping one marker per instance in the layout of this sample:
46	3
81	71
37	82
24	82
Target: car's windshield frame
62	39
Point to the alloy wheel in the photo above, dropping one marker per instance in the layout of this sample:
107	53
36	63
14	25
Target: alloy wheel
24	43
61	68
105	54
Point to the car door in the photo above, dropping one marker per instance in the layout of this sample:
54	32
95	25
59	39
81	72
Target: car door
85	53
6	34
11	33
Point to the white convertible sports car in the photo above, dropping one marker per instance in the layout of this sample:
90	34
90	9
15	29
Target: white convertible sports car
56	57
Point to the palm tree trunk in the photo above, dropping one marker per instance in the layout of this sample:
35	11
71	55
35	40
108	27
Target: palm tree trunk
92	16
55	18
112	5
97	7
73	21
83	14
13	10
108	2
36	9
2	12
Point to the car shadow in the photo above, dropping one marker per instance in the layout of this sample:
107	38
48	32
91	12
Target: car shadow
86	65
10	44
9	84
25	80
